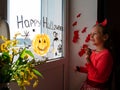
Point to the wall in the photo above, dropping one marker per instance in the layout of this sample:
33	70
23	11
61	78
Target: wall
83	13
3	8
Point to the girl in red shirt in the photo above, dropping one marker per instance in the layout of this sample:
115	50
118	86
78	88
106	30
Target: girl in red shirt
99	61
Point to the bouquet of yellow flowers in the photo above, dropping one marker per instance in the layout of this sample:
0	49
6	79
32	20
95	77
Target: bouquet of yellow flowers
17	64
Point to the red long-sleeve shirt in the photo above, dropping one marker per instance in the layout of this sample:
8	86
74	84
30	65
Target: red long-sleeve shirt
100	67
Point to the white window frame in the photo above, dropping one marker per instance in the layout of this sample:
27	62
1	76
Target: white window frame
63	22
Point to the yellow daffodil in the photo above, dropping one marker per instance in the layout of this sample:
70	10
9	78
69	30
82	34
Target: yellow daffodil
15	36
14	50
26	56
3	47
16	77
33	75
3	38
18	64
15	42
25	82
35	83
22	73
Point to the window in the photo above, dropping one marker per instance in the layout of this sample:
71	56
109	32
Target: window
33	17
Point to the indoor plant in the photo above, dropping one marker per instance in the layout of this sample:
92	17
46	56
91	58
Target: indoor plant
17	64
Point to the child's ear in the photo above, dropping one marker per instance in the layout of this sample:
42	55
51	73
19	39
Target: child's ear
106	36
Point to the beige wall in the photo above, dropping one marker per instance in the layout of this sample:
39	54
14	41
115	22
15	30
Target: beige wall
88	10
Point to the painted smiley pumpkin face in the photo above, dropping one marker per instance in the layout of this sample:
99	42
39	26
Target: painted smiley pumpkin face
41	44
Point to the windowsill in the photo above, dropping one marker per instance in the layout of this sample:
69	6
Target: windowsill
51	63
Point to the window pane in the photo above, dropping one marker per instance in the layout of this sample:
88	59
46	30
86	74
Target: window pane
52	17
43	17
24	16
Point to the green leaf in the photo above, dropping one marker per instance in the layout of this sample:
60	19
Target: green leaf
37	73
29	53
5	57
5	73
24	52
22	55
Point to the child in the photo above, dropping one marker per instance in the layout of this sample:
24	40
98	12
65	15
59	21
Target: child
99	61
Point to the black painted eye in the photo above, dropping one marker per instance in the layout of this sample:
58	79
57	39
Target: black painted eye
39	41
44	41
33	30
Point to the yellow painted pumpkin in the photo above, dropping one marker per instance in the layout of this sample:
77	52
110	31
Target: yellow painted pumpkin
41	44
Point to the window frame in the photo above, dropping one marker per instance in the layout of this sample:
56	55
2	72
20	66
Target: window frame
63	42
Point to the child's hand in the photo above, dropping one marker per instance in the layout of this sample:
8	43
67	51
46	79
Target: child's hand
88	53
77	69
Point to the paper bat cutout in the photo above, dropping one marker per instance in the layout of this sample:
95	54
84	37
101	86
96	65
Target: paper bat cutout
84	30
76	36
82	50
85	46
87	38
78	15
74	24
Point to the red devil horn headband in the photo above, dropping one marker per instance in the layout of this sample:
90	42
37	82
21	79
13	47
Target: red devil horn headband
104	23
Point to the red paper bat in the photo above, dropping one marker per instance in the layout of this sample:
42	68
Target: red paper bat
87	38
82	52
78	15
76	36
75	23
84	29
85	46
75	39
76	32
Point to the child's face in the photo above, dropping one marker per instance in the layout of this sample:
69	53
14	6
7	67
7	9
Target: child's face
97	36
